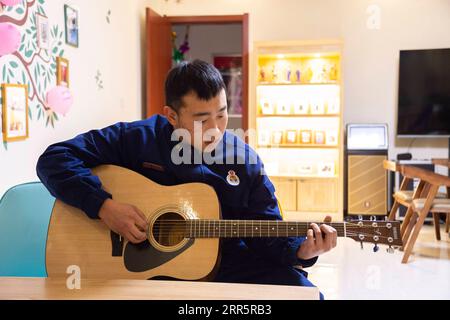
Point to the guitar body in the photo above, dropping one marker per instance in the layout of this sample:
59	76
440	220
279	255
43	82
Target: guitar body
75	239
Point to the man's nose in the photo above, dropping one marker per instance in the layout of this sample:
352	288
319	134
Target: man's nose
213	131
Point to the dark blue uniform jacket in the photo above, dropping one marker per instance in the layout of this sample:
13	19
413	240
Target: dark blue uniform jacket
146	147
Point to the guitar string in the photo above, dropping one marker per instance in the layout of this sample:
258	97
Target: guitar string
281	222
226	235
263	227
225	221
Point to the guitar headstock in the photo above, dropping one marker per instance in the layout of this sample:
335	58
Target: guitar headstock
376	232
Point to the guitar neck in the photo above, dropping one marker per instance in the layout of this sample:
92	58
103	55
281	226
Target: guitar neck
200	228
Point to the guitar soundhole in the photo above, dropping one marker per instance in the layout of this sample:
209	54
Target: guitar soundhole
169	229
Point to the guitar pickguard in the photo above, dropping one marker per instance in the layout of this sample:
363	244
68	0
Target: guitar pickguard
143	256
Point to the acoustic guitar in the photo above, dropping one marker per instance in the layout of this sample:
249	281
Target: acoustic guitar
183	235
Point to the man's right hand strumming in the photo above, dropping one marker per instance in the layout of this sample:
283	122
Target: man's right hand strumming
124	219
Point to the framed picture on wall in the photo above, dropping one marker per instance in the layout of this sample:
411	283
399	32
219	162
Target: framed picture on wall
62	72
71	21
230	66
15	112
42	31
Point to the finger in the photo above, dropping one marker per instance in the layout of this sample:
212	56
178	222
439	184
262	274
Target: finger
327	219
132	238
309	238
140	219
317	234
137	234
333	236
141	214
328	238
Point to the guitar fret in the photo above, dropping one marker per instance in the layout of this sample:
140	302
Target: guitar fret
245	228
277	228
252	228
194	227
260	227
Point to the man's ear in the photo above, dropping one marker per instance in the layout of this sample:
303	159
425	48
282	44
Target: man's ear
171	115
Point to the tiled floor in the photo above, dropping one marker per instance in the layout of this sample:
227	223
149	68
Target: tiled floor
347	272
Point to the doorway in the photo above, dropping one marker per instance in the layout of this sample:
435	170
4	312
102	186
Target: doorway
220	40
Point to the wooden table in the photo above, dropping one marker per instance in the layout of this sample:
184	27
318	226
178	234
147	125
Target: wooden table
441	162
56	289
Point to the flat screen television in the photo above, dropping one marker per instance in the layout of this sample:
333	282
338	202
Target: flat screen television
424	93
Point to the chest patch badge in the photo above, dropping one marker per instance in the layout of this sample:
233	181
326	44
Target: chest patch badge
232	178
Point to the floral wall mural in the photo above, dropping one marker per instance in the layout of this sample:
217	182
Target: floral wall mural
34	62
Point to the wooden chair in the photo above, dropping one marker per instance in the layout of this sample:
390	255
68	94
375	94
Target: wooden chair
428	202
444	163
405	198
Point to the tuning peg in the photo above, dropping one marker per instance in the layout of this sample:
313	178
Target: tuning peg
390	250
376	248
362	247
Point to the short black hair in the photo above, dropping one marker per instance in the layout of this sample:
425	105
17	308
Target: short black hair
197	76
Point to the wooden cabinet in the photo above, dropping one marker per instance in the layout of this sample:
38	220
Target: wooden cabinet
286	193
308	198
317	195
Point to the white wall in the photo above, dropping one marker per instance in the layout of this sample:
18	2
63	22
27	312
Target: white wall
370	59
114	49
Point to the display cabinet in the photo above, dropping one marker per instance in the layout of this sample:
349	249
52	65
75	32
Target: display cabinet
298	119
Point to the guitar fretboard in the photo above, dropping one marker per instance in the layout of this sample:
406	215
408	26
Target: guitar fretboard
200	228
